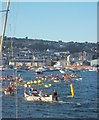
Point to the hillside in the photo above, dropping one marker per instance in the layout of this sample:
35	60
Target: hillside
43	45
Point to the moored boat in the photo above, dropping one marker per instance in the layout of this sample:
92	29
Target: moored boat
61	71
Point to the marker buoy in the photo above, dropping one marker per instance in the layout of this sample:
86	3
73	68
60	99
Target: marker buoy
19	75
72	90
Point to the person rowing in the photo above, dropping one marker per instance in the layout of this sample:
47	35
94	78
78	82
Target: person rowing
35	92
10	88
30	92
41	93
55	95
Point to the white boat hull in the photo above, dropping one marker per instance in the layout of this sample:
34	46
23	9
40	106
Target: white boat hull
8	93
61	71
38	98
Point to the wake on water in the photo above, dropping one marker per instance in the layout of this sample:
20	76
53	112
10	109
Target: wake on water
69	102
64	102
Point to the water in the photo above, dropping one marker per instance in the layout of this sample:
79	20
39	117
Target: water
83	105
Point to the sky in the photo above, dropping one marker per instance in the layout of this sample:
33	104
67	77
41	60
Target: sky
66	21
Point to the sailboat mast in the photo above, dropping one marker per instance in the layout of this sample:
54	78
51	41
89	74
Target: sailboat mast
4	27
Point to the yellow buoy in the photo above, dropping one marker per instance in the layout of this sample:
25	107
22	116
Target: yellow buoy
72	90
31	82
35	82
46	86
50	85
19	75
28	83
39	81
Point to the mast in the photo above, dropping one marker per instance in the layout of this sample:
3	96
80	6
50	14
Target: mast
4	27
1	42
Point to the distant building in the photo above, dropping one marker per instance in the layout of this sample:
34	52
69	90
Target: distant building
82	55
48	62
68	60
27	62
94	62
60	63
25	54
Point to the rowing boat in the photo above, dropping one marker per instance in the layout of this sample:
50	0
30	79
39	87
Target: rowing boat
8	92
38	98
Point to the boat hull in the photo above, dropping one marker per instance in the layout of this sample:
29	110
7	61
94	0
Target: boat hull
38	98
8	93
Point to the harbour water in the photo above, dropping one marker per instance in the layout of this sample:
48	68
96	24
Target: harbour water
82	105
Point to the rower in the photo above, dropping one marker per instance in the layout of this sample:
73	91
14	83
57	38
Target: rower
55	95
34	91
9	89
41	93
30	92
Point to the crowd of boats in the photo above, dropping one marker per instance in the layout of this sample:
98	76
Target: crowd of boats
47	69
14	82
32	94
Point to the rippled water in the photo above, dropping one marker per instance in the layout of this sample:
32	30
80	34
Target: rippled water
83	105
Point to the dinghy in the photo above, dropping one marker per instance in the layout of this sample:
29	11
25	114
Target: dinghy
38	98
8	92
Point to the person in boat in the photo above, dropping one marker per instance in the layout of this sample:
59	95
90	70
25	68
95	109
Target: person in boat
46	95
41	93
30	92
55	95
10	88
34	91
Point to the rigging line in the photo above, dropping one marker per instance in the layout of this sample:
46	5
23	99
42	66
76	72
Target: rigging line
14	29
1	42
16	93
15	74
15	71
5	10
1	21
11	45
